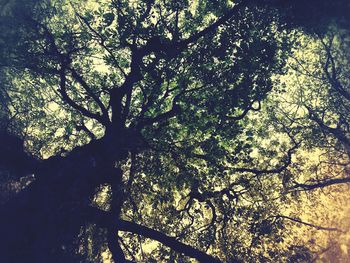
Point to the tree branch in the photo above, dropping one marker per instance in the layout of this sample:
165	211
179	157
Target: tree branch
270	171
83	83
63	91
309	224
105	219
322	184
166	240
336	132
101	42
113	244
222	20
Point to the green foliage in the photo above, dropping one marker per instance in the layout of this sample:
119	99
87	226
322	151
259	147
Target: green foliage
193	94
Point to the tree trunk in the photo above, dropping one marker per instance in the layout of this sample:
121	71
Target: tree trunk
41	223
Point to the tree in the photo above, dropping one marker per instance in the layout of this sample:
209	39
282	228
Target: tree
322	110
315	112
134	114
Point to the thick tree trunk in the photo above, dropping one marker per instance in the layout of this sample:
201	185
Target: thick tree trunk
116	206
41	223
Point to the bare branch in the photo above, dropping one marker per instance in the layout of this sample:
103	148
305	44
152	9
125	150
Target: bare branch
63	91
321	184
87	88
309	224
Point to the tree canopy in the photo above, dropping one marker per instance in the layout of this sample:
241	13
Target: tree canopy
169	131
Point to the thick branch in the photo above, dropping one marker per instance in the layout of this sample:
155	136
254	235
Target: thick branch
166	240
82	127
113	245
117	93
104	219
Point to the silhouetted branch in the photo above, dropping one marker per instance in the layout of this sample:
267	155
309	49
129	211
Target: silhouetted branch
83	83
166	240
321	184
309	224
101	42
71	102
214	26
82	127
104	219
337	132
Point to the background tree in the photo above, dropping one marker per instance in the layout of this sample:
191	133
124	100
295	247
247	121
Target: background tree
314	109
